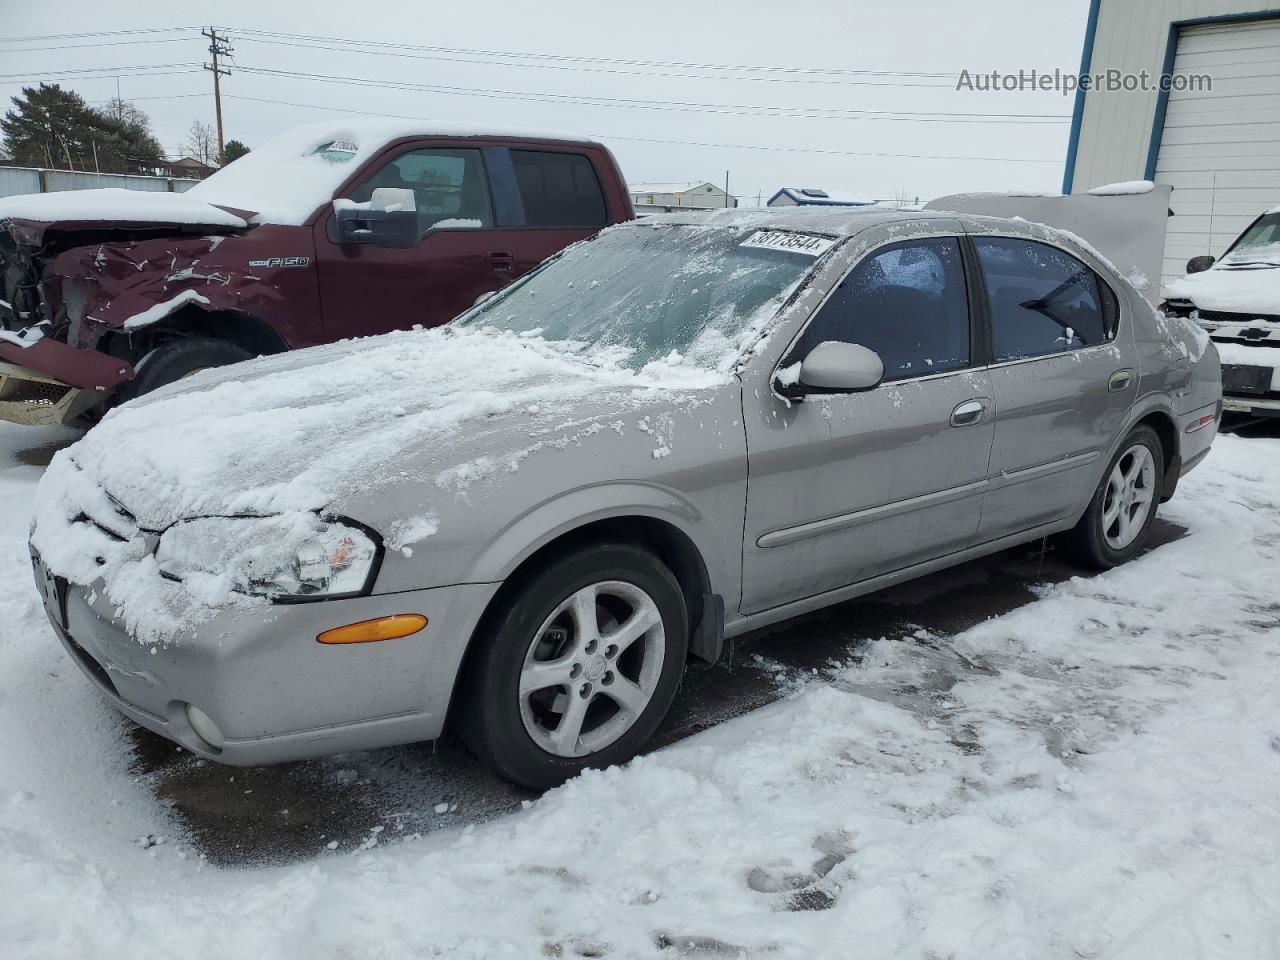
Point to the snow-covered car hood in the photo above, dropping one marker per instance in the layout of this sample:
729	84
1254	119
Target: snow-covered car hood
325	428
1232	287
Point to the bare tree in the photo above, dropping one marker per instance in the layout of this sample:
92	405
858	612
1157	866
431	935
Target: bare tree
201	143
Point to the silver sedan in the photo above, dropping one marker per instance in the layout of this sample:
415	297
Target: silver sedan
530	523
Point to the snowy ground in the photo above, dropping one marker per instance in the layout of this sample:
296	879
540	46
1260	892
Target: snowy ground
1095	774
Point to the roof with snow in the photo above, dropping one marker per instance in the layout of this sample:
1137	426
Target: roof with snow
817	197
655	188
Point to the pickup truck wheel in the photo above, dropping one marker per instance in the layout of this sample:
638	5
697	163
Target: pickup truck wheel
1115	526
181	358
578	668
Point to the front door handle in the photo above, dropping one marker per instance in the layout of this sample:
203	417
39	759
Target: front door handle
501	259
968	413
1120	380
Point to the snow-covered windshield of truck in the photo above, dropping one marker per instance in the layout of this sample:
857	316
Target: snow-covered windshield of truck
647	292
1259	245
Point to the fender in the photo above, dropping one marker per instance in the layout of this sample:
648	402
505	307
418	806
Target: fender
562	514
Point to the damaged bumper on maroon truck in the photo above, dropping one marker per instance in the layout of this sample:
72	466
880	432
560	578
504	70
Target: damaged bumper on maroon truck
49	382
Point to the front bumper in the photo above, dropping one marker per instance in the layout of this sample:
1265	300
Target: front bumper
273	691
35	399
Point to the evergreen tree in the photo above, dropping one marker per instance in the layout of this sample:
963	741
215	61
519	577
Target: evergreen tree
55	128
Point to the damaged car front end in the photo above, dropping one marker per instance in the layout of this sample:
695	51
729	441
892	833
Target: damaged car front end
84	304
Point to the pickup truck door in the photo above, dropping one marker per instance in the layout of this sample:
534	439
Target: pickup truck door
461	252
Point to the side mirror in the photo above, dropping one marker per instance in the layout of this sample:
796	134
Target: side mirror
1200	264
388	219
833	367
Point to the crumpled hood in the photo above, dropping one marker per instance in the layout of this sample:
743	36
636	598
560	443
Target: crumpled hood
32	216
297	431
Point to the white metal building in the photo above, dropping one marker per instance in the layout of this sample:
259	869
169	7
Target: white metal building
1219	148
665	197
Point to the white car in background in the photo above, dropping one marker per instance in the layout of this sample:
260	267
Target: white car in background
1237	299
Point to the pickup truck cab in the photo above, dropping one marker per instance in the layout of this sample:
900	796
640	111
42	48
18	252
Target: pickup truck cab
1237	300
327	232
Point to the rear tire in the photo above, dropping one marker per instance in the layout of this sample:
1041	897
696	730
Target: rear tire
548	694
180	358
1118	521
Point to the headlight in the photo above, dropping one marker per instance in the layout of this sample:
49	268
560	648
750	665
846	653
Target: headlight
288	556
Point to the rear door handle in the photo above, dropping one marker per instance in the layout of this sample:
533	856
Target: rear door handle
501	259
1119	380
970	412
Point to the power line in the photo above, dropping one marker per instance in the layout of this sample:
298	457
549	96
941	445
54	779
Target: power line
96	46
692	143
468	57
677	106
96	33
110	71
755	68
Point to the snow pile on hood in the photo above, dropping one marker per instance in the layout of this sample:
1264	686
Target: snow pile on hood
289	176
1230	289
285	436
114	203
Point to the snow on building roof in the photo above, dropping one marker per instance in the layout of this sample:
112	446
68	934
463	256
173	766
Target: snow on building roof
817	197
668	187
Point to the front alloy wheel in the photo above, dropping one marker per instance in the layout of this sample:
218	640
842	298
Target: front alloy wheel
576	666
592	668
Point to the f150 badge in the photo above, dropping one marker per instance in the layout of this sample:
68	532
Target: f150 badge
282	262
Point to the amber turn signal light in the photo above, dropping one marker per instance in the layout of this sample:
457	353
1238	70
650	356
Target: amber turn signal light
370	631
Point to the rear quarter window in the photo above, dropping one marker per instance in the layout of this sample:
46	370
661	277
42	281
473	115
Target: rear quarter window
1043	300
558	189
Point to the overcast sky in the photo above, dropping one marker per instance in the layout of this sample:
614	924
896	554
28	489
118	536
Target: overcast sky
834	62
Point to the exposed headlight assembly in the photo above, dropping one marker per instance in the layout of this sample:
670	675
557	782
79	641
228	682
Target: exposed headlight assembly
290	556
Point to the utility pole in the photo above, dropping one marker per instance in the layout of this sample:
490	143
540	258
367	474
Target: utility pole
218	47
726	188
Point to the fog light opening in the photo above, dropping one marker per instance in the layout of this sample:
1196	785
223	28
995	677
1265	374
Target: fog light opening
204	727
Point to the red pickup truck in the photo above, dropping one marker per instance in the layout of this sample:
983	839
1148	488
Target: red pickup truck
328	231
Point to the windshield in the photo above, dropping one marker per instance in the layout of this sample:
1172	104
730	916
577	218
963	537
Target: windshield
1259	244
694	294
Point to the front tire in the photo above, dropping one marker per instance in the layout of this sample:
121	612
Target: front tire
577	668
1118	521
181	358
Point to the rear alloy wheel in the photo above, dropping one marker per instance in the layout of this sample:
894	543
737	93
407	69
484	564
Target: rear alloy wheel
578	669
1115	526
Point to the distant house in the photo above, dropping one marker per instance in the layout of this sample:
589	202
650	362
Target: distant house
188	167
666	197
813	197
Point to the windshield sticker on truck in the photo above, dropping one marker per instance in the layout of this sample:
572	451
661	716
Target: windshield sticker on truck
282	262
788	242
338	151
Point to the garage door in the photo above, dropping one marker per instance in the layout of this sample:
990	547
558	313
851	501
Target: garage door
1221	148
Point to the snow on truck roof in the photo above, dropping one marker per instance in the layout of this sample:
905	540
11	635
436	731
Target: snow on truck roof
289	176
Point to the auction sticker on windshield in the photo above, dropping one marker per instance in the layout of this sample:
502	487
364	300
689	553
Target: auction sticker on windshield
790	242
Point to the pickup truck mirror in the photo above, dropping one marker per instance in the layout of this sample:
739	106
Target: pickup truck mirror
834	367
388	219
1200	264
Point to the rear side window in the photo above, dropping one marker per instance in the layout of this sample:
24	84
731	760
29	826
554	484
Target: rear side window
907	302
558	189
1043	301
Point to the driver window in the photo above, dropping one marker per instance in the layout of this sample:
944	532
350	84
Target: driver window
448	185
908	303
